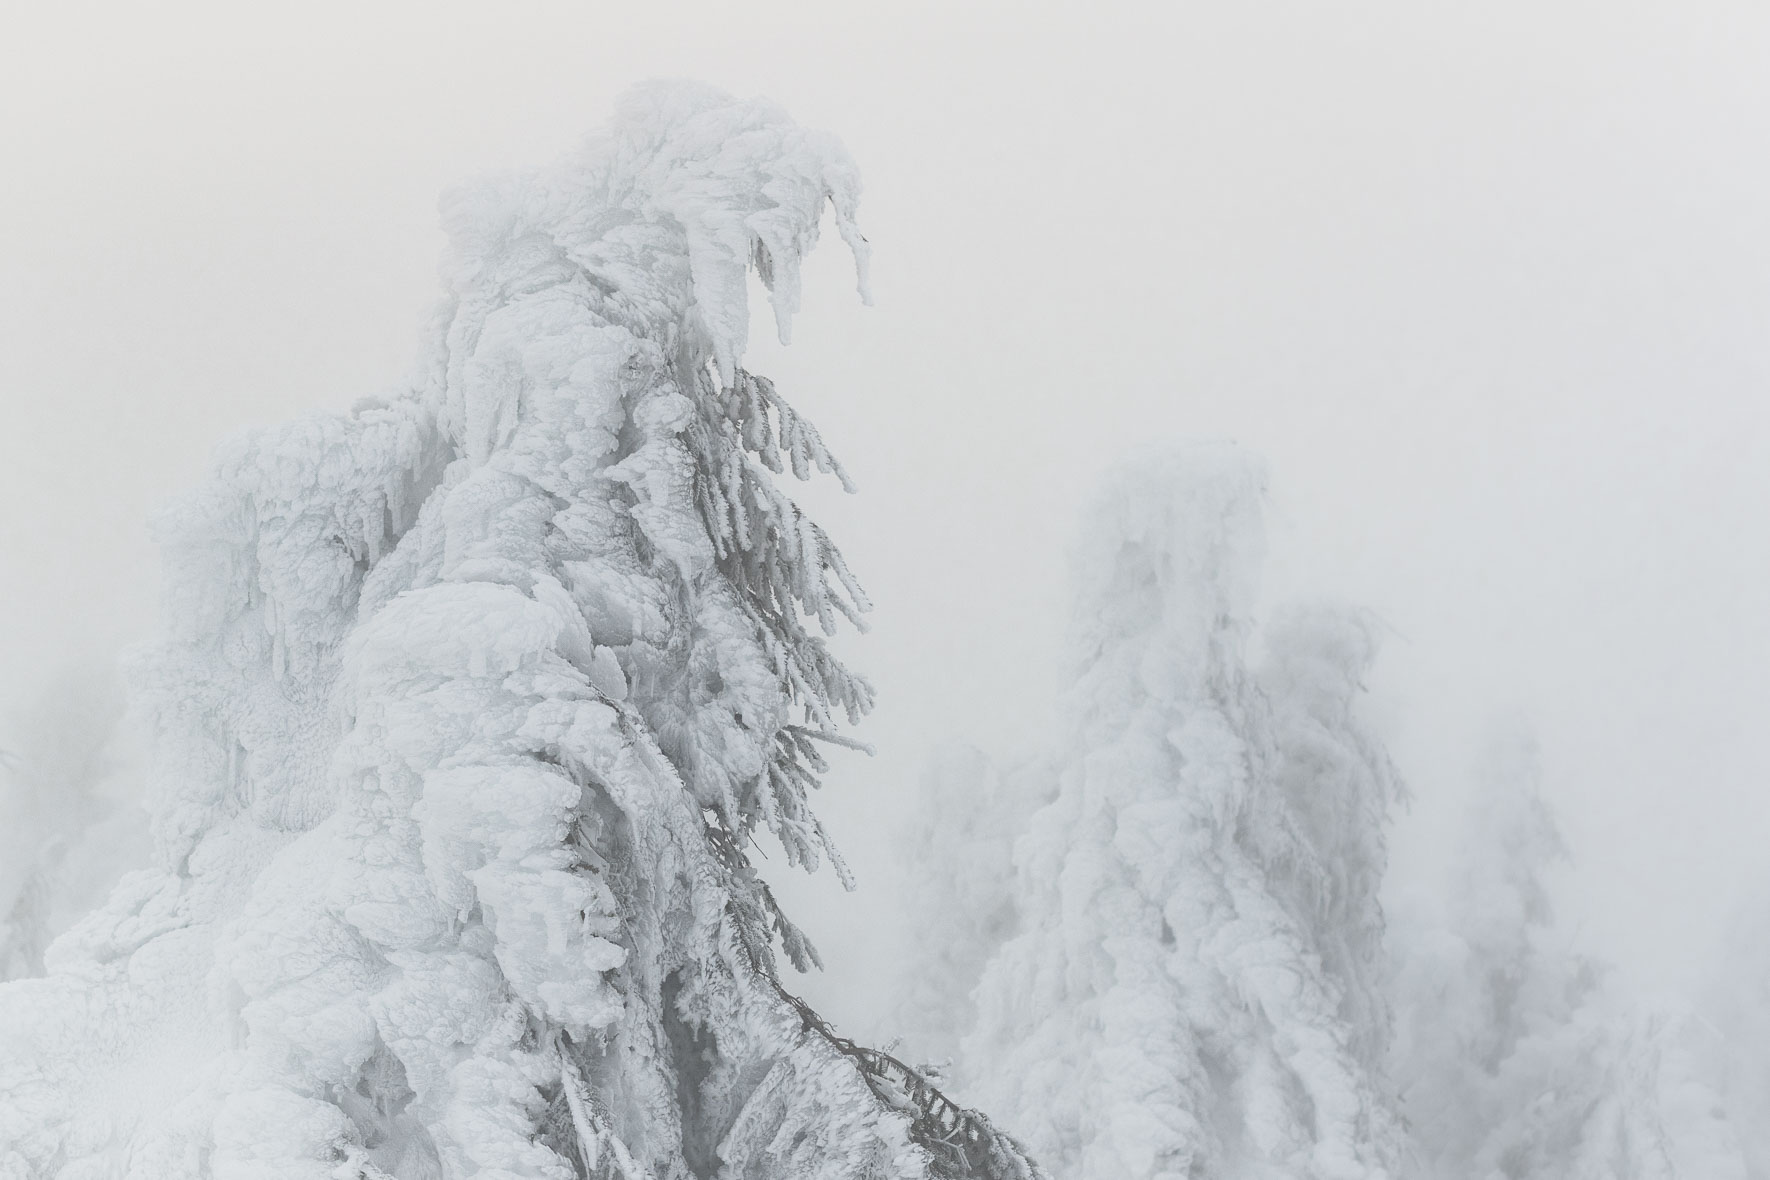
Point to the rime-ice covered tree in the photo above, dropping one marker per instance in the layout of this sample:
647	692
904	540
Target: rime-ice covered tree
959	896
1194	989
1733	1034
471	703
1338	787
1515	1060
1470	994
69	828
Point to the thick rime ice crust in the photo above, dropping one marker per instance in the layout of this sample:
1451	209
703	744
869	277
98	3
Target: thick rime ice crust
1191	986
469	704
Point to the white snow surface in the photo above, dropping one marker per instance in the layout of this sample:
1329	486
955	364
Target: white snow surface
467	702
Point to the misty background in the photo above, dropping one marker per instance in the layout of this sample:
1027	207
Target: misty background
1487	287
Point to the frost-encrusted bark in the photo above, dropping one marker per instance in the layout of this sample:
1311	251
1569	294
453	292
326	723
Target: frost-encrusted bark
1197	905
471	702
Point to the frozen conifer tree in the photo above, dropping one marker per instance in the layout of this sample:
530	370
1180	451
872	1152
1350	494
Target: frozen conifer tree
1471	994
471	704
1197	905
1733	1034
960	899
69	827
1514	1058
1338	785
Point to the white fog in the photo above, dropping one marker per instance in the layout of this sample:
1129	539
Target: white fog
1416	356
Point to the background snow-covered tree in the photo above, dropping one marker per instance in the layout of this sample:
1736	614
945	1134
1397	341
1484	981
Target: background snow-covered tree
1194	987
1337	784
471	703
1517	1059
1732	1034
960	900
70	825
1470	992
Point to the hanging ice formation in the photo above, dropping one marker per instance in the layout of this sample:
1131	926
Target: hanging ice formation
471	702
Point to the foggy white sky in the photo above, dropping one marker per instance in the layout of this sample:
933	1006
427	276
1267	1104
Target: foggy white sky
1487	285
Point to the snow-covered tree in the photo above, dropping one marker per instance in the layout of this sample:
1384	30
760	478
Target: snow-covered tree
1196	908
471	703
69	827
960	902
1516	1060
1732	1034
1339	786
